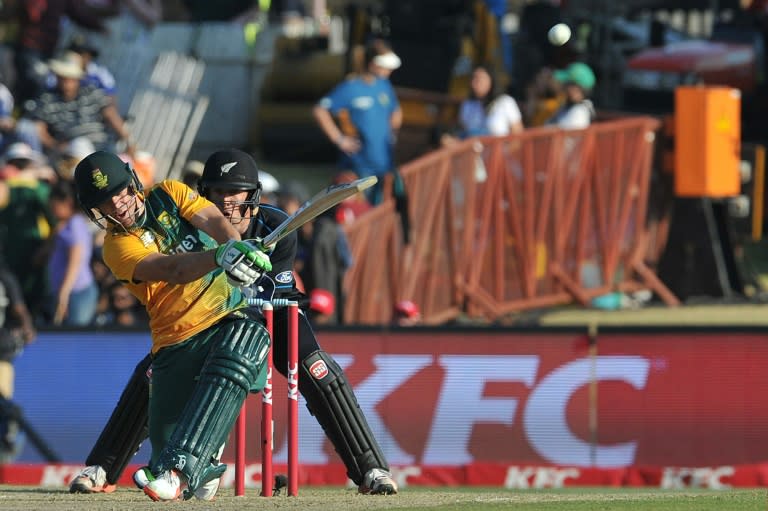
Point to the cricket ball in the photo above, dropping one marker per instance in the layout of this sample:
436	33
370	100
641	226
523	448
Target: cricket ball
559	34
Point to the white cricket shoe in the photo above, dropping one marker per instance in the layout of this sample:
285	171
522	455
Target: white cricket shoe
167	486
142	477
92	479
378	481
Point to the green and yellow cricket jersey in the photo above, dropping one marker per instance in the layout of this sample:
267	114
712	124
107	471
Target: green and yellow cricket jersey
176	311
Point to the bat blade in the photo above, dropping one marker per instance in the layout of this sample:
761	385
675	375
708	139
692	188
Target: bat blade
316	206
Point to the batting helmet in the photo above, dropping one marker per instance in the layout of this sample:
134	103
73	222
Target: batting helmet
230	169
100	176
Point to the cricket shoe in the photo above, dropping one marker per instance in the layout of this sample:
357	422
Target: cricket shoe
378	481
165	487
142	477
92	479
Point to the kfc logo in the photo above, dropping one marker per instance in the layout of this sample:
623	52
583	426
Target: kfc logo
463	405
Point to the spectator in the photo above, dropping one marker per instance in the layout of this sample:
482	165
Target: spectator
39	31
486	111
124	309
368	117
77	149
191	173
577	111
74	292
9	30
25	224
73	111
290	197
16	331
105	280
21	161
533	50
352	207
322	259
406	313
544	97
7	122
93	73
269	188
136	20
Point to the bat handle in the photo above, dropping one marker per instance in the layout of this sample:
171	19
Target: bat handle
259	244
276	302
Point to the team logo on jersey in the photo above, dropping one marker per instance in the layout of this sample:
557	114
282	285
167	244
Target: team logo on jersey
167	221
227	167
147	238
318	370
284	277
383	99
100	181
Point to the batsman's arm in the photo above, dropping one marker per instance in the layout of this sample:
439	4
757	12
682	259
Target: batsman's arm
213	223
241	262
175	268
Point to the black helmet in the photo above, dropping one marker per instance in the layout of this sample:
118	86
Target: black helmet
231	169
102	175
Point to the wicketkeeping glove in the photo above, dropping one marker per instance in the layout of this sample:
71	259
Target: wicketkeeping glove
242	262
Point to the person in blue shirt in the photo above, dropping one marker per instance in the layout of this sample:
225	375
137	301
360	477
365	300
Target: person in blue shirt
362	115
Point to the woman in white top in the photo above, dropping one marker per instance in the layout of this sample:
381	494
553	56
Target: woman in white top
486	112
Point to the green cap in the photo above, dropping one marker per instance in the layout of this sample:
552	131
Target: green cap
99	176
578	73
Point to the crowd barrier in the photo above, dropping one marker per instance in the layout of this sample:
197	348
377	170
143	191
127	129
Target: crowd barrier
505	224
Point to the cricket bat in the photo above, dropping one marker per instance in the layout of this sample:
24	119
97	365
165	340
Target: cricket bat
316	206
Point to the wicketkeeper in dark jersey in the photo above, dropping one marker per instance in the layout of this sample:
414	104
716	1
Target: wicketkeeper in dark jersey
231	181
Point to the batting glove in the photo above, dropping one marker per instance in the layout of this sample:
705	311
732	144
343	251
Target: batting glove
258	243
241	262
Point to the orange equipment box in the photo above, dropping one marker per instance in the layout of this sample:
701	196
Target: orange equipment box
707	141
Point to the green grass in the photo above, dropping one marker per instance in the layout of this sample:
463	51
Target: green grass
30	498
609	500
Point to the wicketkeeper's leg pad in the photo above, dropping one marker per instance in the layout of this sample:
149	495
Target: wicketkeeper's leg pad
231	369
331	400
126	428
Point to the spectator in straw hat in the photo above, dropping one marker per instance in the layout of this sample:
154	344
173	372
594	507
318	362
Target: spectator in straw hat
93	73
73	110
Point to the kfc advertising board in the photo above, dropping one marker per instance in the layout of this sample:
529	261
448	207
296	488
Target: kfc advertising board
522	400
455	398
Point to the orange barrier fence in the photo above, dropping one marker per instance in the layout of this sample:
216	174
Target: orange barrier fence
500	225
